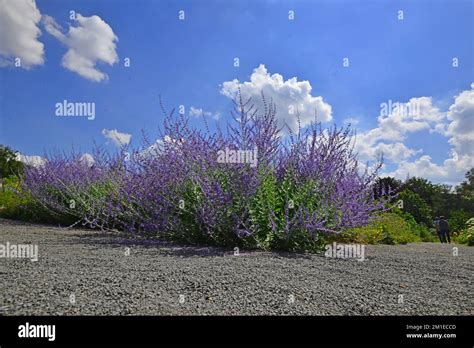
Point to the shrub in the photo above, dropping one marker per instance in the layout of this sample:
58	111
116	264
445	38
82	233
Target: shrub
302	189
387	228
425	234
466	235
15	204
10	200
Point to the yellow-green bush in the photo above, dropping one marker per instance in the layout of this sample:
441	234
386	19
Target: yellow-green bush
15	204
465	236
388	228
10	199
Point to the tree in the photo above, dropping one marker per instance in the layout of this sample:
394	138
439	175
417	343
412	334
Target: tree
9	165
416	207
428	191
386	187
457	220
437	196
466	188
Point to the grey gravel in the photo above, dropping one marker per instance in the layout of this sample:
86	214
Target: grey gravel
162	278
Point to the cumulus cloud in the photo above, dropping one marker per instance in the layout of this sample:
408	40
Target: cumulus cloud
91	41
34	161
119	139
353	121
451	171
19	33
289	97
87	159
457	124
158	147
38	161
461	126
153	150
395	122
394	152
415	115
199	112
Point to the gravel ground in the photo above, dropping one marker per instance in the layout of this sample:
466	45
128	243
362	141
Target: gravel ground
159	278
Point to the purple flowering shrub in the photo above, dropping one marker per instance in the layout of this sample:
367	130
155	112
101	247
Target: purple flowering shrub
68	189
283	192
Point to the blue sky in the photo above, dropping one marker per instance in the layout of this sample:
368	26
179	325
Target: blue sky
188	61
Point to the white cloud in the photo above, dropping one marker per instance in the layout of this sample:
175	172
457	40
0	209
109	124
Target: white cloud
119	139
90	42
395	122
461	127
199	112
289	97
391	151
87	159
415	115
19	33
158	147
460	131
440	128
34	161
153	150
451	171
353	121
38	161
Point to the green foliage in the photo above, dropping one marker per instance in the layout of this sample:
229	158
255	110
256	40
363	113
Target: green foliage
388	228
433	194
273	208
416	207
466	188
14	204
457	220
440	198
466	235
10	200
387	237
9	166
386	187
425	234
266	201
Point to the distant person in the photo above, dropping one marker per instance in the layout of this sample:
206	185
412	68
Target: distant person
436	225
444	230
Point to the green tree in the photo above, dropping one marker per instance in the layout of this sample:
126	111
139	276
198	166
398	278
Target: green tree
414	205
9	165
435	195
457	220
386	187
466	188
